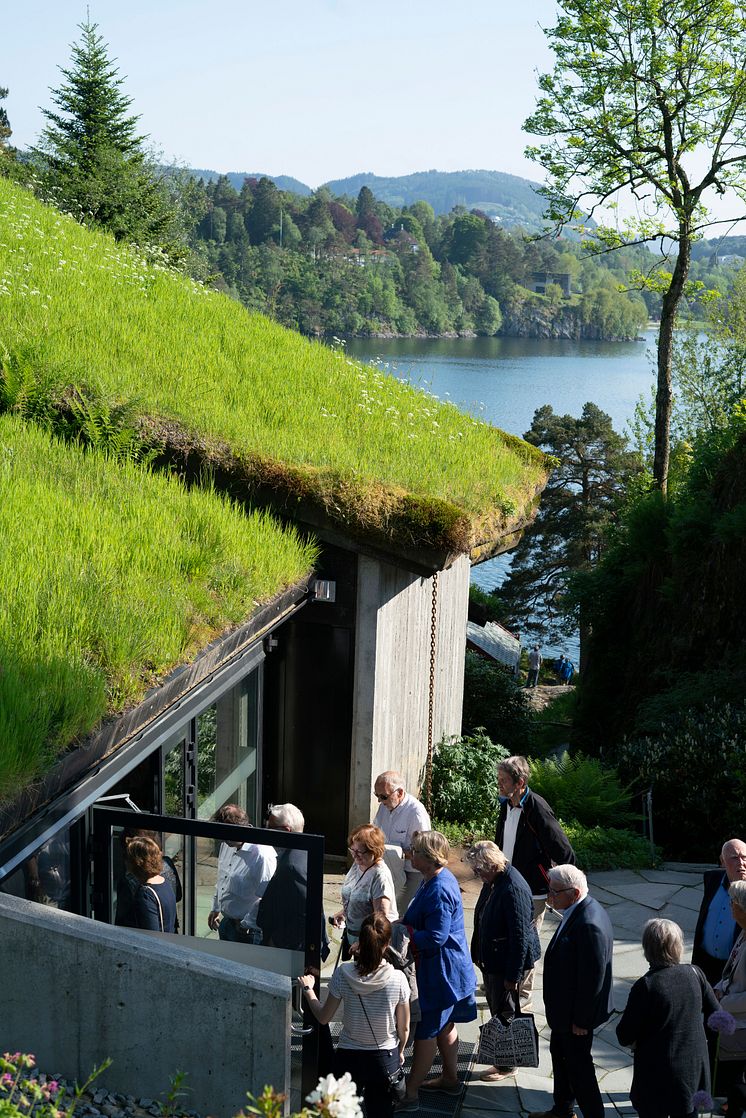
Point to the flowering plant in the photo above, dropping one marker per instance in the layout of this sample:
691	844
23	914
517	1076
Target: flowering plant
20	1094
332	1098
724	1024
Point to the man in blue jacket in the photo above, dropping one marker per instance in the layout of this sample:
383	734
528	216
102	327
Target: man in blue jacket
577	992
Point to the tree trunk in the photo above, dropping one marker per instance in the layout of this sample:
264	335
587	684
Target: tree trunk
664	394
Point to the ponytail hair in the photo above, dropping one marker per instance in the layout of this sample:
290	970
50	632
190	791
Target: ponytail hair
375	936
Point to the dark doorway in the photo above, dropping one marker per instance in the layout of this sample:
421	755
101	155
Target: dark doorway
308	706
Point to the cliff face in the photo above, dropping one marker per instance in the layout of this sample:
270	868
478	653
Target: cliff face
669	611
613	318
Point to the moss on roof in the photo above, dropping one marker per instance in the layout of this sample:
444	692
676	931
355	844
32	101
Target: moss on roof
377	457
111	576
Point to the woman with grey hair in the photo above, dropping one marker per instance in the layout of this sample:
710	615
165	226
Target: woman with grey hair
505	943
664	1023
731	993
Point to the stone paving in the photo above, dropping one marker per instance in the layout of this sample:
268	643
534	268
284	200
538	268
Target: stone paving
631	898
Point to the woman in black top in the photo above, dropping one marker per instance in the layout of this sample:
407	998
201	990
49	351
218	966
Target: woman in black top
154	901
664	1021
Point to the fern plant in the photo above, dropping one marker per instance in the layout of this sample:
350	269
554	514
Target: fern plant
583	790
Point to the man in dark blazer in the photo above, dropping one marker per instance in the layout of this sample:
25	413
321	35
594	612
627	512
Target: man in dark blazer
716	930
531	839
577	992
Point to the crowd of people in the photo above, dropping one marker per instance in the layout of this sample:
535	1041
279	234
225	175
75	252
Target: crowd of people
405	966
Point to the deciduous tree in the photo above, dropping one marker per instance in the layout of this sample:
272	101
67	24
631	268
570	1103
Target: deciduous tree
647	97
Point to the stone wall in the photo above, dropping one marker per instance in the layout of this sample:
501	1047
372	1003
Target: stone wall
74	991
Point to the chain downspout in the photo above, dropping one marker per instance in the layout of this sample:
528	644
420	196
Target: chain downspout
431	697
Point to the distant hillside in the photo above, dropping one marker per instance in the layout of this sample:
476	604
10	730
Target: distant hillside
511	199
282	182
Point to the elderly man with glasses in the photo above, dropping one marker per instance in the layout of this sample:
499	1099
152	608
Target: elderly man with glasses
577	992
399	816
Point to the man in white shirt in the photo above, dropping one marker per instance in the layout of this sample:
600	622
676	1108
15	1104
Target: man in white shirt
244	870
399	815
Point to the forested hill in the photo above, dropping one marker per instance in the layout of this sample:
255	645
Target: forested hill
511	199
236	179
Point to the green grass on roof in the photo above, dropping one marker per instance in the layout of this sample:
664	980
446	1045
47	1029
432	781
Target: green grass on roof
353	435
110	577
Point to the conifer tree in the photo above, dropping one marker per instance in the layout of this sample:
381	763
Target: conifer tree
94	161
578	507
5	129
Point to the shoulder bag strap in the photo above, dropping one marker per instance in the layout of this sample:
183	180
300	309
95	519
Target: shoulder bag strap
367	1018
158	901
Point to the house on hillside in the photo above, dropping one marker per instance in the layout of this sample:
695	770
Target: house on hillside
540	281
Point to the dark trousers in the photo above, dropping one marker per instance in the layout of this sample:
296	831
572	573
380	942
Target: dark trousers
370	1072
574	1075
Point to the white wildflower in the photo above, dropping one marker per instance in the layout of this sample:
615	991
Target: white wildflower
336	1097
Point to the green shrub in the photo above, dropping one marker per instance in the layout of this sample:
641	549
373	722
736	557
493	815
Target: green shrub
610	848
583	790
696	766
464	834
494	702
552	724
465	781
485	604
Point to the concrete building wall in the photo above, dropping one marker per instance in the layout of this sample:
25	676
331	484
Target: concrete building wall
74	991
392	672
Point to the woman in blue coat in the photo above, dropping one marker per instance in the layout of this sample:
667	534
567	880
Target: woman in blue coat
445	972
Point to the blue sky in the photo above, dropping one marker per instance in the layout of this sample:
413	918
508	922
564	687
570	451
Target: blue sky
317	89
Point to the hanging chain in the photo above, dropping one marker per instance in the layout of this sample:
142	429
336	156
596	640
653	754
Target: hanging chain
431	698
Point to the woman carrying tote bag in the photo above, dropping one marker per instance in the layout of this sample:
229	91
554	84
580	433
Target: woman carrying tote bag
375	1016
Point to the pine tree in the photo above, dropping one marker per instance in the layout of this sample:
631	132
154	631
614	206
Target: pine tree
577	509
94	161
5	129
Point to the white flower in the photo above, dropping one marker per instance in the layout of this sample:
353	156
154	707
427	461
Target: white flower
336	1097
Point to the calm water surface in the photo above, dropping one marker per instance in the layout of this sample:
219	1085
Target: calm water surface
504	380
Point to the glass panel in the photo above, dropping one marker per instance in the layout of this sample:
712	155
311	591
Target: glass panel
227	735
173	779
45	876
125	884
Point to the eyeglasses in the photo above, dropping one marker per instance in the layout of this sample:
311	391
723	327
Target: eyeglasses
357	853
565	889
382	796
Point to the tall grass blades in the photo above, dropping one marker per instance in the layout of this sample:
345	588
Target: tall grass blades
111	576
132	330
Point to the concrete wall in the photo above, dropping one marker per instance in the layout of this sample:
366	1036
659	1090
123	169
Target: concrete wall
392	672
73	992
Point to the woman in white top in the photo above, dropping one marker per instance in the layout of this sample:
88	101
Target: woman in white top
375	1017
368	886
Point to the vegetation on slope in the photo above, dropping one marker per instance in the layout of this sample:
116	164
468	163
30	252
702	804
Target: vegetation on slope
378	456
111	576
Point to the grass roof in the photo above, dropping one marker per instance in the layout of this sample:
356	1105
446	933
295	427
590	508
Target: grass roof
378	457
111	576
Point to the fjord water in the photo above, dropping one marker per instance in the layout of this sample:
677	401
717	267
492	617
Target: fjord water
504	380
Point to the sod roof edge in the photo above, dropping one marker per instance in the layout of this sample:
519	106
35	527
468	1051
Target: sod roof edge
425	533
118	732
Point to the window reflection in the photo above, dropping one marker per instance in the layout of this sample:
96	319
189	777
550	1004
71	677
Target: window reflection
45	876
